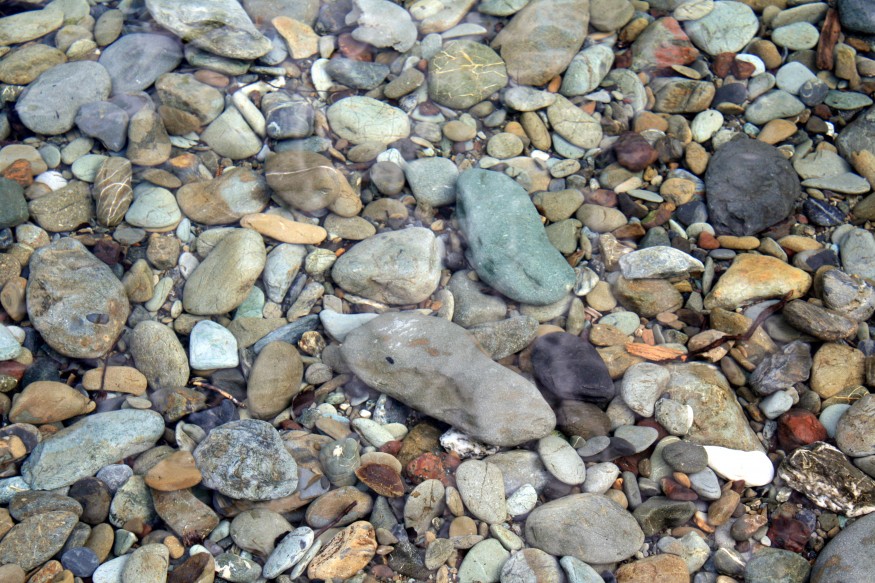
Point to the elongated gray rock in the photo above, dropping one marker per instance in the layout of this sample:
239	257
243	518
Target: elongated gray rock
88	445
433	366
49	105
74	300
507	244
589	527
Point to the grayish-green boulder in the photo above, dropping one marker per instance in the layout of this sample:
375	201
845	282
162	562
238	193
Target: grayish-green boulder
507	244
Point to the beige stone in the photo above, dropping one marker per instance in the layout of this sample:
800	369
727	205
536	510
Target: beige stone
175	472
777	131
346	554
284	230
48	402
836	367
302	40
664	568
118	379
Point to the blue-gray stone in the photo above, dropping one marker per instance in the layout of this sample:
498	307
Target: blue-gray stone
507	244
105	121
106	437
858	15
135	61
291	332
81	561
357	74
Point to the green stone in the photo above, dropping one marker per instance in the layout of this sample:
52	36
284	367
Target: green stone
508	246
13	206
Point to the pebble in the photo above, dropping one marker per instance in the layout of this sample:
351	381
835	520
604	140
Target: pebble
754	467
548	279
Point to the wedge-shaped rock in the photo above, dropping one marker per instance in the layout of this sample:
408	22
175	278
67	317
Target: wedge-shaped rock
432	365
589	527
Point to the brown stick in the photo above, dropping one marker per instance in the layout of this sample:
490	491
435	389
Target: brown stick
739	337
335	520
205	385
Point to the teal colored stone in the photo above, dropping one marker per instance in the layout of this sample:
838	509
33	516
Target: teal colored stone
507	244
13	206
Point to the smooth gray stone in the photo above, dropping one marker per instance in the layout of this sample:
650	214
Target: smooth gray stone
49	105
221	27
433	366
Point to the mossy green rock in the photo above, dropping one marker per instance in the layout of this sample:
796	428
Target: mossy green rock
507	244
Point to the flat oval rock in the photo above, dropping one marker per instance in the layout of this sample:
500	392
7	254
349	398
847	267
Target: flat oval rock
571	368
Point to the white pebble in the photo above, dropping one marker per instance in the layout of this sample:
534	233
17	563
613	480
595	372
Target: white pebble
754	467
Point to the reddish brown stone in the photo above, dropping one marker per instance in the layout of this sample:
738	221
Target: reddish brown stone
723	64
382	479
798	427
601	197
707	241
742	69
634	152
21	172
353	49
11	368
108	251
391	447
675	491
427	466
788	533
660	216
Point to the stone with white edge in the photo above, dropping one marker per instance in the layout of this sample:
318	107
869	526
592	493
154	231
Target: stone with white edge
522	501
9	346
600	478
754	467
212	346
642	385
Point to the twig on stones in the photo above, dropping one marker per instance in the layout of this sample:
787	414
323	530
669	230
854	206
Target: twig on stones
740	337
202	384
336	519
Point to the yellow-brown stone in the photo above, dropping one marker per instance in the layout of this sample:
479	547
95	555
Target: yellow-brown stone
48	402
836	367
175	472
752	278
118	379
663	568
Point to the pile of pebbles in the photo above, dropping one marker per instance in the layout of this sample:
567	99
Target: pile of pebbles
444	290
